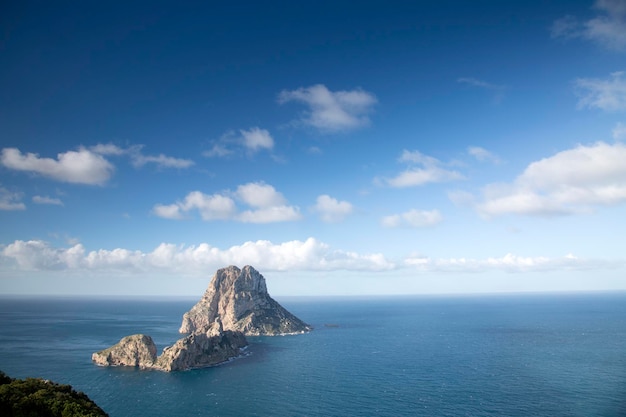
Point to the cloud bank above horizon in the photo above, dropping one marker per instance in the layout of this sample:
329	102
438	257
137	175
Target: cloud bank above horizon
308	255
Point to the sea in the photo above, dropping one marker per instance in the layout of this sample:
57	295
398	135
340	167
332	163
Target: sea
488	355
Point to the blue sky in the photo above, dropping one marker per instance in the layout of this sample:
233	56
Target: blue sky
389	148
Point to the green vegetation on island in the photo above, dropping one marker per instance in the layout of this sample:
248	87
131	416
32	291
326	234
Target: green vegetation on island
34	397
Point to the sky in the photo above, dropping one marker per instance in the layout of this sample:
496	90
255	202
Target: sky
388	147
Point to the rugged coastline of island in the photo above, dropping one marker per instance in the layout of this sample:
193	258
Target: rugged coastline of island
236	304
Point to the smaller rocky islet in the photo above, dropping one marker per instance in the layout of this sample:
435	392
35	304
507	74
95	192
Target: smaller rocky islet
236	304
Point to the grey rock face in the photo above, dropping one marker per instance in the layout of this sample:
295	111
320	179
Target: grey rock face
194	351
202	349
239	299
135	350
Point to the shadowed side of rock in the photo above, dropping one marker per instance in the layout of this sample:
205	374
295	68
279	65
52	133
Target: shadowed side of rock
239	298
200	350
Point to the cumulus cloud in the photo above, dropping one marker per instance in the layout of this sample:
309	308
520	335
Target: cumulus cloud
604	94
508	263
259	194
310	254
332	210
256	139
10	201
248	141
274	214
572	181
47	200
607	28
84	166
483	155
80	167
423	169
295	255
332	111
267	205
168	211
210	207
413	218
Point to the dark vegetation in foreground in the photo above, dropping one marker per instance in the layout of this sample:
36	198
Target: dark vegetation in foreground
33	397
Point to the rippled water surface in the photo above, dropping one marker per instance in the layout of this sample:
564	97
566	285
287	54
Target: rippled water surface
531	355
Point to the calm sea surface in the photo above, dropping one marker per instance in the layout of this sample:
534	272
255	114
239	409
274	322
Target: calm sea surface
523	355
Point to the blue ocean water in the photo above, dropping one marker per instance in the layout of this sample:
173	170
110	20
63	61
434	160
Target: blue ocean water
522	355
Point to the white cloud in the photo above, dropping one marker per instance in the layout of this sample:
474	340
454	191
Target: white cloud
430	171
619	132
10	201
111	149
571	181
258	194
81	167
483	155
508	263
296	255
211	207
332	210
331	111
47	200
249	141
608	27
218	150
169	211
608	94
273	214
310	254
256	139
161	161
413	218
268	205
138	159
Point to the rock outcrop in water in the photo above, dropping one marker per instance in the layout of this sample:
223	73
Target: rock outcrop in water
235	304
135	350
239	299
197	350
202	349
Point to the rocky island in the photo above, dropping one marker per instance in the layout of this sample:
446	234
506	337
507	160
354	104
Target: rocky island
239	298
235	304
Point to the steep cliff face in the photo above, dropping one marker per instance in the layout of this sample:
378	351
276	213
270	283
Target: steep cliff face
239	299
194	351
